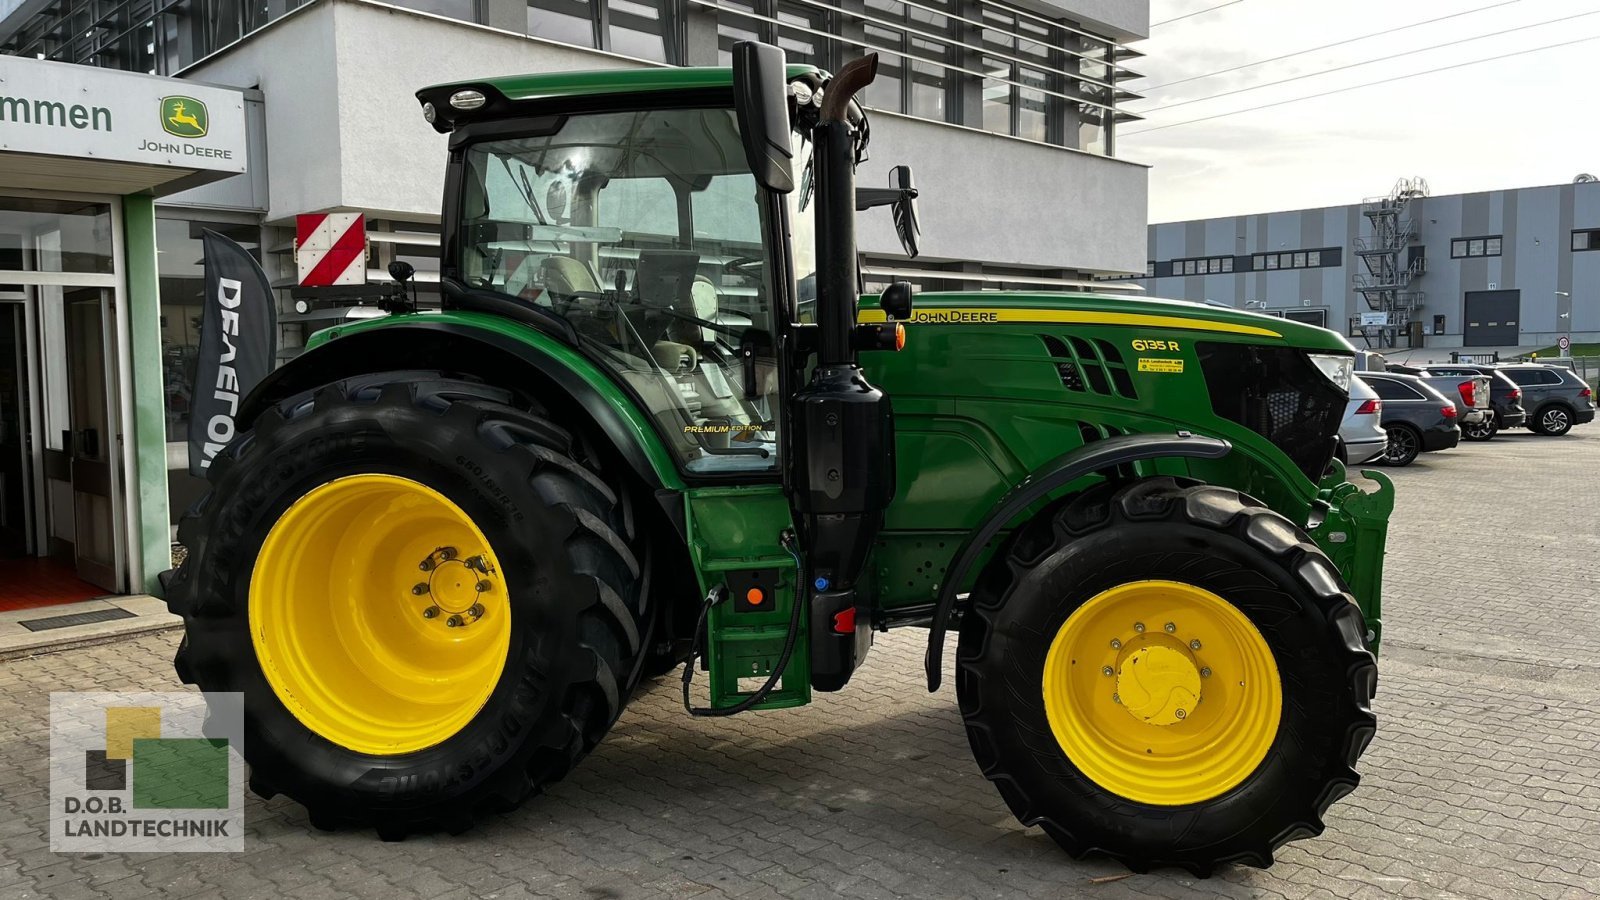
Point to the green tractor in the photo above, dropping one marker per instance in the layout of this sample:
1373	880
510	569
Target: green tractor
449	545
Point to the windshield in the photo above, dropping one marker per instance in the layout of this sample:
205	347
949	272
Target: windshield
644	230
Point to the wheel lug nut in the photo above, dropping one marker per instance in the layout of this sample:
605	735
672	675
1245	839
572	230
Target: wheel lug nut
476	610
426	565
1116	644
1139	627
1170	627
453	621
420	589
1106	671
1194	644
1205	672
431	612
483	586
447	553
1179	713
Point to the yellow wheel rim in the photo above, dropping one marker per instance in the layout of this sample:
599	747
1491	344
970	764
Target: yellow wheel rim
379	614
1162	692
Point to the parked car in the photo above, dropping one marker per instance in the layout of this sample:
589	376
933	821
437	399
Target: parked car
1470	393
1505	399
1415	416
1555	397
1361	435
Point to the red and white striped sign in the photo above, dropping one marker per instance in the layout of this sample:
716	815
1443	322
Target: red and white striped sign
331	248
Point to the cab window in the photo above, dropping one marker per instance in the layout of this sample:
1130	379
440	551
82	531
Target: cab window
644	230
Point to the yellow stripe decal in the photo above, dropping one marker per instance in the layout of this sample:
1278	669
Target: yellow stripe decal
970	315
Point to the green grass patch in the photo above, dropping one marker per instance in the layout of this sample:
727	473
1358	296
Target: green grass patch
1577	350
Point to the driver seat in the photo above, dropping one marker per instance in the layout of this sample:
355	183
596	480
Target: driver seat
565	276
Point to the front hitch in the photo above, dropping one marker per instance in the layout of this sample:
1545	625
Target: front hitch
1353	532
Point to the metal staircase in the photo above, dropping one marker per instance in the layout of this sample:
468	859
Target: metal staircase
1390	270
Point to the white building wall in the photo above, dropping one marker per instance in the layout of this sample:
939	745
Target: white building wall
345	131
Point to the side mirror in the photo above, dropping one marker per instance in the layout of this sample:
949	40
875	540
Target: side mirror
555	200
761	102
906	222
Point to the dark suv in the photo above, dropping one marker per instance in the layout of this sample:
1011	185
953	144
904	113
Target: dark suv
1556	398
1505	399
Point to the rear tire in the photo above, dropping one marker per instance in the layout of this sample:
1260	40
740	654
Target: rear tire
1405	443
1199	539
1554	420
570	581
1481	431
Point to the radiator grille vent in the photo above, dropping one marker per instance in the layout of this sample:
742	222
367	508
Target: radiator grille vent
1089	366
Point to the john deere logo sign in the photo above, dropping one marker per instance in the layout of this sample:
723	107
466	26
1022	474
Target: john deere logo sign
184	117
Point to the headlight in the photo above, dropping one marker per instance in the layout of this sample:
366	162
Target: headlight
1337	368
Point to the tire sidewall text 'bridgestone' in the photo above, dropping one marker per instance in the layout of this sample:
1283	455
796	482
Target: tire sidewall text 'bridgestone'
511	472
1053	565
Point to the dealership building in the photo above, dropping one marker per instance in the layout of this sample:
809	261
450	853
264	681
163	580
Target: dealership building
127	129
1509	271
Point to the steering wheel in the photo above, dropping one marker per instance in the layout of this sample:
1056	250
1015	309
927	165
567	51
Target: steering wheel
742	263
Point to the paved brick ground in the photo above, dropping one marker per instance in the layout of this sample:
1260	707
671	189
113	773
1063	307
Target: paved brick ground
1484	780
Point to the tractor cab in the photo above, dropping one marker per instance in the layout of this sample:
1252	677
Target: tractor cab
636	224
641	230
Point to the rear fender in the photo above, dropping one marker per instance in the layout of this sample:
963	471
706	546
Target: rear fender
501	353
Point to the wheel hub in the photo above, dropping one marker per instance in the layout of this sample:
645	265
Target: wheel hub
455	587
1162	692
1158	680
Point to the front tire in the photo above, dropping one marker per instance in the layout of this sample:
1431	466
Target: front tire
426	594
1100	732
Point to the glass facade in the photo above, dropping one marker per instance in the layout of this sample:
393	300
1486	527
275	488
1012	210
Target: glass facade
977	63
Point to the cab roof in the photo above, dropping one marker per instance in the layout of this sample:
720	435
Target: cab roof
552	85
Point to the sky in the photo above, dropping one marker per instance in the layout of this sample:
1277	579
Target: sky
1526	120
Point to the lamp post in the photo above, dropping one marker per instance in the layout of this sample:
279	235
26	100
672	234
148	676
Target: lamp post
1564	320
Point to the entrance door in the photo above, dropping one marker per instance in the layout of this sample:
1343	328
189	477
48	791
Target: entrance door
1491	319
89	441
16	445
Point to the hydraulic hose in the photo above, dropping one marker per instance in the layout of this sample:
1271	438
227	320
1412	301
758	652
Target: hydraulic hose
796	616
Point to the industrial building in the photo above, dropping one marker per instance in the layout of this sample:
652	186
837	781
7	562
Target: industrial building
1510	270
1008	112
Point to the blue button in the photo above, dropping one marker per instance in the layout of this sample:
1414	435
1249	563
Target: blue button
822	584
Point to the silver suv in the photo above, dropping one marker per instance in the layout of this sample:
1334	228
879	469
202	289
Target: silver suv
1555	397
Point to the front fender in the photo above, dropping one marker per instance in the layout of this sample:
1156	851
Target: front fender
1099	456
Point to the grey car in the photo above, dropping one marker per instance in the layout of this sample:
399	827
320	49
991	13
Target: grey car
1555	397
1417	417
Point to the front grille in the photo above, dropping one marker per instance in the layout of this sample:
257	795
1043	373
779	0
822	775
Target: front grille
1279	394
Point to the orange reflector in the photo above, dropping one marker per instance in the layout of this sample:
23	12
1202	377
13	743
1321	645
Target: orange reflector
899	337
844	622
754	596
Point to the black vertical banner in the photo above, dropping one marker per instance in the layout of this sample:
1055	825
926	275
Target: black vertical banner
238	343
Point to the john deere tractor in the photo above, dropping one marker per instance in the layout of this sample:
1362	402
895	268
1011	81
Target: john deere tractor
651	427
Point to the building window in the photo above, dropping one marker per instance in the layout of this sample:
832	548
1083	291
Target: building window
567	21
1462	248
1587	239
638	29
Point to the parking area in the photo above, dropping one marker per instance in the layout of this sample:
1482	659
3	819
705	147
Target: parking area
1484	780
